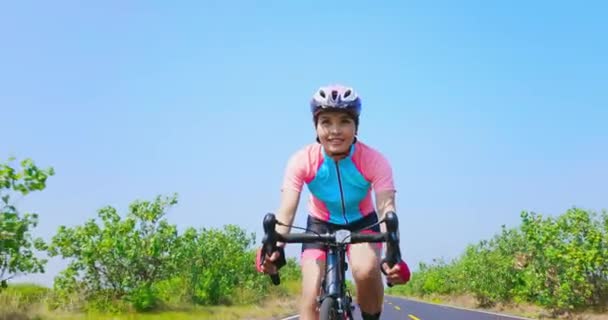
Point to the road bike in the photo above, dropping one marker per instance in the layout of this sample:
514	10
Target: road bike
335	301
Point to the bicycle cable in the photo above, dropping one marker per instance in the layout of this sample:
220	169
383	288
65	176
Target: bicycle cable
296	227
318	234
366	227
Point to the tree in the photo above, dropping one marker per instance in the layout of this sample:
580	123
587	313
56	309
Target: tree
16	242
217	263
118	259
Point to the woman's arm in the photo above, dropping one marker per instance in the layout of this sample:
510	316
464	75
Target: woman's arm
287	210
385	202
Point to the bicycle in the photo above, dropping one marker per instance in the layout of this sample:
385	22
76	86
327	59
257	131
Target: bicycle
335	302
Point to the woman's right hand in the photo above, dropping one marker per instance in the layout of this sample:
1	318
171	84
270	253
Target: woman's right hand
270	262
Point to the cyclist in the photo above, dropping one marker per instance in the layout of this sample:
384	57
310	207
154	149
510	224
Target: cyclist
340	172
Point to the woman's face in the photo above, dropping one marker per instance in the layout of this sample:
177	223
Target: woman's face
336	132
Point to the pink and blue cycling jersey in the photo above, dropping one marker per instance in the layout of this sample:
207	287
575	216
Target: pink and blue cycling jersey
340	191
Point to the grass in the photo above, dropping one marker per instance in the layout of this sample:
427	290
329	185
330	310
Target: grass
28	302
203	313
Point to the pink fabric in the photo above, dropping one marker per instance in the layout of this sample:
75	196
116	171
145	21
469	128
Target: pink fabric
374	167
303	165
313	254
318	208
318	254
404	271
367	205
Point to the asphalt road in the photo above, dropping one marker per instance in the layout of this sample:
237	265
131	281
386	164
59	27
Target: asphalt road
403	309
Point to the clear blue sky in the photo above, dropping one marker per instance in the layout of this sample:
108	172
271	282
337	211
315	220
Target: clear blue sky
484	109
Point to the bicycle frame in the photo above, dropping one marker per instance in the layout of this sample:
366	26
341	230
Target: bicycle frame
334	282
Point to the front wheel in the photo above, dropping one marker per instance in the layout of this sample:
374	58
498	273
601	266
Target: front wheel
328	309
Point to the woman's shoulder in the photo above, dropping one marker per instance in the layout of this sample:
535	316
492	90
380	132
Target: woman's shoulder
366	151
306	155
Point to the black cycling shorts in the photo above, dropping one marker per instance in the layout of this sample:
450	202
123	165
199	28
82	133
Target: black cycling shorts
320	226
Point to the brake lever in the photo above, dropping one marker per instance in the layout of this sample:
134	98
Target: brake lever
393	253
269	243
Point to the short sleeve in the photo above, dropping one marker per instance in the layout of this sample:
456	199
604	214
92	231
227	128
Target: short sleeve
380	172
295	172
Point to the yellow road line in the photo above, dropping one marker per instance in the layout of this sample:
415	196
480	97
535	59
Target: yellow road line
413	317
397	307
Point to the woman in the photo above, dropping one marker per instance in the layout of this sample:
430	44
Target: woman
340	173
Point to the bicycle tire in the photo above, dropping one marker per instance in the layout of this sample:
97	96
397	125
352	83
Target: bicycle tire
328	309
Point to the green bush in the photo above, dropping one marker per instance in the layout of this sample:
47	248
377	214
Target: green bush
141	262
132	262
559	263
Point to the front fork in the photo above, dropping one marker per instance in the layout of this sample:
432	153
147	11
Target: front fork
333	282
